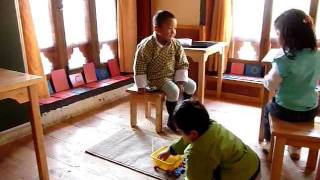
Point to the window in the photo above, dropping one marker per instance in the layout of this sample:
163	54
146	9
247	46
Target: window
74	31
43	23
106	20
75	18
247	25
106	53
77	59
279	6
107	27
43	26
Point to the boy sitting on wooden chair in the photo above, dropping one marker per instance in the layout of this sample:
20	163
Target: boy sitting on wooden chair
161	62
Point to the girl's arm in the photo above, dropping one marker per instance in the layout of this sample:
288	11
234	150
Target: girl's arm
273	79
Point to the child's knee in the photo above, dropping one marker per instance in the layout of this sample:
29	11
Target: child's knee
190	87
173	94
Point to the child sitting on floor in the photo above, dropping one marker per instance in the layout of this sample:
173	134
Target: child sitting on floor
211	151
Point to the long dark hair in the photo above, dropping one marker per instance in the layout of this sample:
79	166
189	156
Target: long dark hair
296	31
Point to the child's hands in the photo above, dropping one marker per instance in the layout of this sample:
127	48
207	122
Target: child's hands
141	90
181	89
164	155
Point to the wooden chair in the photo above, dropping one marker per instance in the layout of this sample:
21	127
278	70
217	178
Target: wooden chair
293	134
155	98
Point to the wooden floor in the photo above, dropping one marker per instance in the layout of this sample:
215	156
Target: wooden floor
66	144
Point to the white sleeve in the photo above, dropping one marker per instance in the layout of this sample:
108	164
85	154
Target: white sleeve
181	75
140	80
273	79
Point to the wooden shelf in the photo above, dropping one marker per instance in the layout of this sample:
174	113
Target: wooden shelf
254	84
241	80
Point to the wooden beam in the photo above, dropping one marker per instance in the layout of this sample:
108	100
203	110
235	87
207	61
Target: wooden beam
61	46
266	26
314	9
93	26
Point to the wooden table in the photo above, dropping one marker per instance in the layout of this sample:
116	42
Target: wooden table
200	55
23	88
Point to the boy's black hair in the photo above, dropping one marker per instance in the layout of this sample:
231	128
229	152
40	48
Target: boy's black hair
296	30
191	115
161	16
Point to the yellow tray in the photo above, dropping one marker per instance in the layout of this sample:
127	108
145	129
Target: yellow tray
170	164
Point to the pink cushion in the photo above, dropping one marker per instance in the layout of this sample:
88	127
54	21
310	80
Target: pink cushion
89	72
76	79
113	67
59	80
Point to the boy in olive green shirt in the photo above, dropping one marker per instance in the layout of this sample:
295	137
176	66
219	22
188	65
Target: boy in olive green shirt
211	151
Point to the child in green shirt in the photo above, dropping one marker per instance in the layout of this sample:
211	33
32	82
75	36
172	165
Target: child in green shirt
210	150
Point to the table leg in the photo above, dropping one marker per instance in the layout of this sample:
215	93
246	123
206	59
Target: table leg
221	65
265	99
318	170
201	79
37	133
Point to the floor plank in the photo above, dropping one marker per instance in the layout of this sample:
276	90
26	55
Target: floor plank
67	141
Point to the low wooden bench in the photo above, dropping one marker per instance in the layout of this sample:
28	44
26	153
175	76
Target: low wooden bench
306	134
156	98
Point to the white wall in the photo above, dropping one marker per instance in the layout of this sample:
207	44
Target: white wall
187	12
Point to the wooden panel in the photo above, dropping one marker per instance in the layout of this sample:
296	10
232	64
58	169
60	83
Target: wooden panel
188	31
61	47
266	26
234	88
11	52
94	43
20	95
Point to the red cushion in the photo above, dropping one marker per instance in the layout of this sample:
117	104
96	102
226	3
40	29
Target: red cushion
237	68
89	72
113	67
59	80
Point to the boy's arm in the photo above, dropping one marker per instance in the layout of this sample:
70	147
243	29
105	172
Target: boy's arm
140	69
181	74
178	147
200	166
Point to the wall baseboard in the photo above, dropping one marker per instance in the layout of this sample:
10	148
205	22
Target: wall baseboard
61	114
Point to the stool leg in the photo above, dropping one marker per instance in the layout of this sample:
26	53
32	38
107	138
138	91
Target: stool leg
147	108
312	160
159	109
277	160
270	155
318	171
133	111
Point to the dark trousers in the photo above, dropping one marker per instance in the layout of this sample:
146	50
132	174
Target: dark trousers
285	114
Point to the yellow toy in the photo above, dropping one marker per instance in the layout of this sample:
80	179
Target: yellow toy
170	165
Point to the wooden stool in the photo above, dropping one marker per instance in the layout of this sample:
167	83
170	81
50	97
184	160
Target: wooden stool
283	133
155	98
